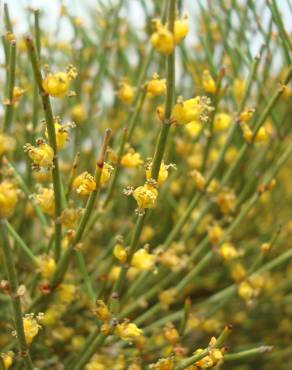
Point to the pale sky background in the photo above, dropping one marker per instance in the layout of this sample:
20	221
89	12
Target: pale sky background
79	7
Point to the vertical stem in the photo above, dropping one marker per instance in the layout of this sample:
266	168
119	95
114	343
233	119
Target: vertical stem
15	298
52	141
11	80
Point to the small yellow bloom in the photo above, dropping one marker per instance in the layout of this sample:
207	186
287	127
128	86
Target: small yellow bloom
262	135
61	132
163	364
226	201
215	234
46	200
31	327
246	115
125	93
143	260
181	28
227	251
199	180
156	86
17	93
46	266
162	175
8	198
57	84
145	196
84	184
221	121
42	155
208	82
128	331
120	253
78	113
193	128
195	109
246	291
7	144
102	312
162	39
105	174
7	359
238	89
131	160
66	293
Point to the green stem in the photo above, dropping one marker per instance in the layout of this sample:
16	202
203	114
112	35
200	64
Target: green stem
15	298
248	353
65	259
11	81
20	242
52	141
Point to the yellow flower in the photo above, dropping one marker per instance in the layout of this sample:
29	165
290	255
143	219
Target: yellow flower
145	196
246	115
215	233
221	121
31	327
143	260
46	266
46	200
78	113
42	155
102	312
195	109
17	93
7	144
181	29
262	135
66	293
156	86
8	198
208	82
61	132
238	89
128	331
7	359
226	201
105	174
125	93
131	160
227	251
163	364
162	175
120	253
57	84
199	179
162	39
246	291
84	184
193	128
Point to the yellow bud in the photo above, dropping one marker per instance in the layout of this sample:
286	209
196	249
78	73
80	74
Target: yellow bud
8	198
84	184
162	40
120	253
145	196
162	175
143	260
125	93
208	82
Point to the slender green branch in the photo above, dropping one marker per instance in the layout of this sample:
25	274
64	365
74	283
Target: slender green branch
52	141
15	298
